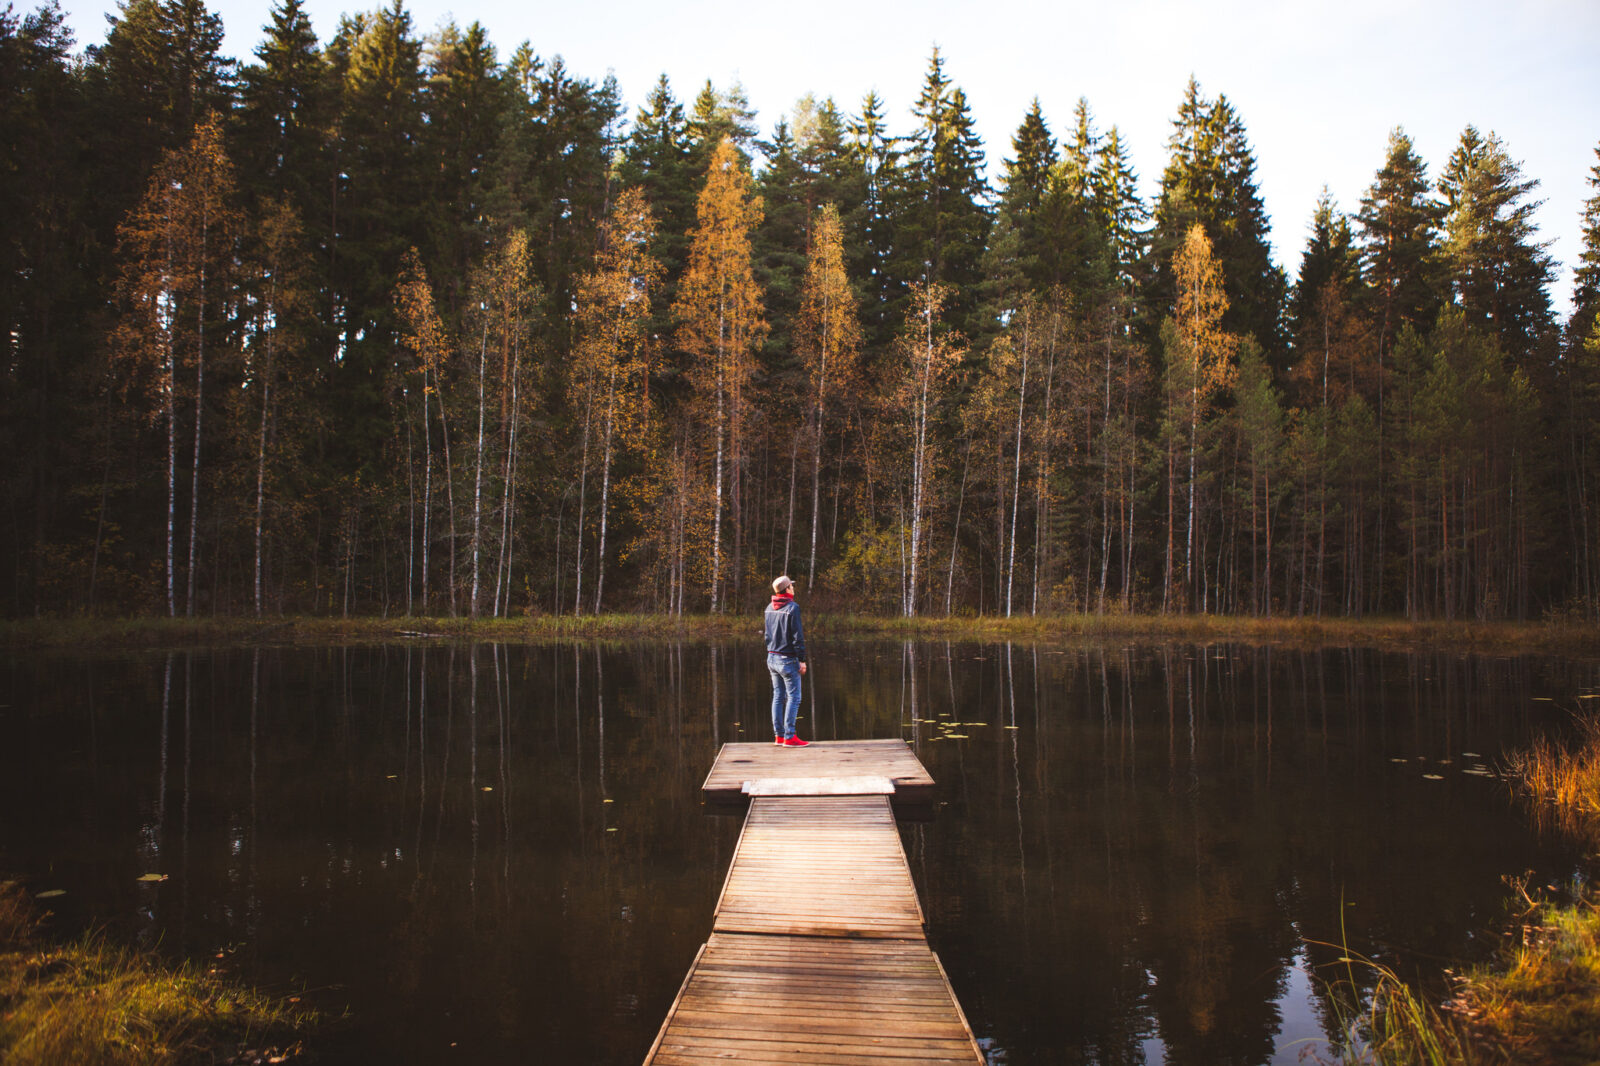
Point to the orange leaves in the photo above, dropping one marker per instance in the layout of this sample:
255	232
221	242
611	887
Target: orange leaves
424	331
720	319
1203	353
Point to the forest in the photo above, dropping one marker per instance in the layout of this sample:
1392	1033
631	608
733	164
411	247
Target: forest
393	324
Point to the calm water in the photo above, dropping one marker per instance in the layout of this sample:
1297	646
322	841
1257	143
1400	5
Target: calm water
498	854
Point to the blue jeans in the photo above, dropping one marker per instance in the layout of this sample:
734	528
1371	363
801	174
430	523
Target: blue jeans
785	672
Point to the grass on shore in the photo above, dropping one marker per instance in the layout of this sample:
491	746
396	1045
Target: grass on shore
1562	781
1541	1003
1389	633
95	1004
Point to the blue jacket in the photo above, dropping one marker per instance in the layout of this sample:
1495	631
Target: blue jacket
784	635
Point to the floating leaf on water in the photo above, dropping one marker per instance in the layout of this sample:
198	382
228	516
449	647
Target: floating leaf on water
984	724
611	829
1470	755
1397	759
608	801
1013	727
152	877
390	777
1444	762
1543	699
1589	695
51	893
487	788
955	736
1434	777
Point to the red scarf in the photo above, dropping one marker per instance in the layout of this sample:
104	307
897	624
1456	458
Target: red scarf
782	600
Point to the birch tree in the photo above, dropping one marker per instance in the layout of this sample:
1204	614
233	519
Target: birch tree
178	255
613	312
928	354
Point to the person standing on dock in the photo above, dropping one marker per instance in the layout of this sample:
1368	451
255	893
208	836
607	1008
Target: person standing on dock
786	661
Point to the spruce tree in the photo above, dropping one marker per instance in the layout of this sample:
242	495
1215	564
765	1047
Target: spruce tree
941	214
379	209
1114	193
1586	279
1330	259
1075	251
657	158
284	114
875	158
551	175
1024	185
1210	179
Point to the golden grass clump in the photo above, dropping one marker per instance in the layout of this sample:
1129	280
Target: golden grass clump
94	1004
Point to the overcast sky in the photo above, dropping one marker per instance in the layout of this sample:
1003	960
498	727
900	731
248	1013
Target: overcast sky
1318	83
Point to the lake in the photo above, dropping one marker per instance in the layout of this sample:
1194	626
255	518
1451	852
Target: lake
497	854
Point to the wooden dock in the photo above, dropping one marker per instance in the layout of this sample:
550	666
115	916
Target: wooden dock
818	952
740	764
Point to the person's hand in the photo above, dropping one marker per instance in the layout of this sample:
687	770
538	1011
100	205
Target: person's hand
802	669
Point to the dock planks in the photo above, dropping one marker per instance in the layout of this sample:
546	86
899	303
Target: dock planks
894	759
820	866
803	999
818	953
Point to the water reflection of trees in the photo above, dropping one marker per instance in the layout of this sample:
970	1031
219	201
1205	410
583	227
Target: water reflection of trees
504	846
1145	855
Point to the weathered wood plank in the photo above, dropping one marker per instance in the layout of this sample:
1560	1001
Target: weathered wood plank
865	785
824	866
776	999
737	763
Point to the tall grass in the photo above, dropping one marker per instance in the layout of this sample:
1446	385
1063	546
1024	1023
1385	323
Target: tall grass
1394	1028
1562	780
96	1004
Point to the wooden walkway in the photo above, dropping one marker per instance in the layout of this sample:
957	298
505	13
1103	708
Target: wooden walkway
818	953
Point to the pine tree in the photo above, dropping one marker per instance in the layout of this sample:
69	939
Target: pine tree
1399	254
1499	272
720	325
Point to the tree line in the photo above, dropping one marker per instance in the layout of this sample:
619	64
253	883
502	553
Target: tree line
394	325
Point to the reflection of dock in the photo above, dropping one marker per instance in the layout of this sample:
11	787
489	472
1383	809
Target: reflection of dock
817	952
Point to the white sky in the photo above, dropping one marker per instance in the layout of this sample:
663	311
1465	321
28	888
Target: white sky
1318	83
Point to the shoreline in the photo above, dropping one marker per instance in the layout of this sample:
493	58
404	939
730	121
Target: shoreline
1577	639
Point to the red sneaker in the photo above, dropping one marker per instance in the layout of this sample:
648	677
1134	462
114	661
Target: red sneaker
778	741
795	742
